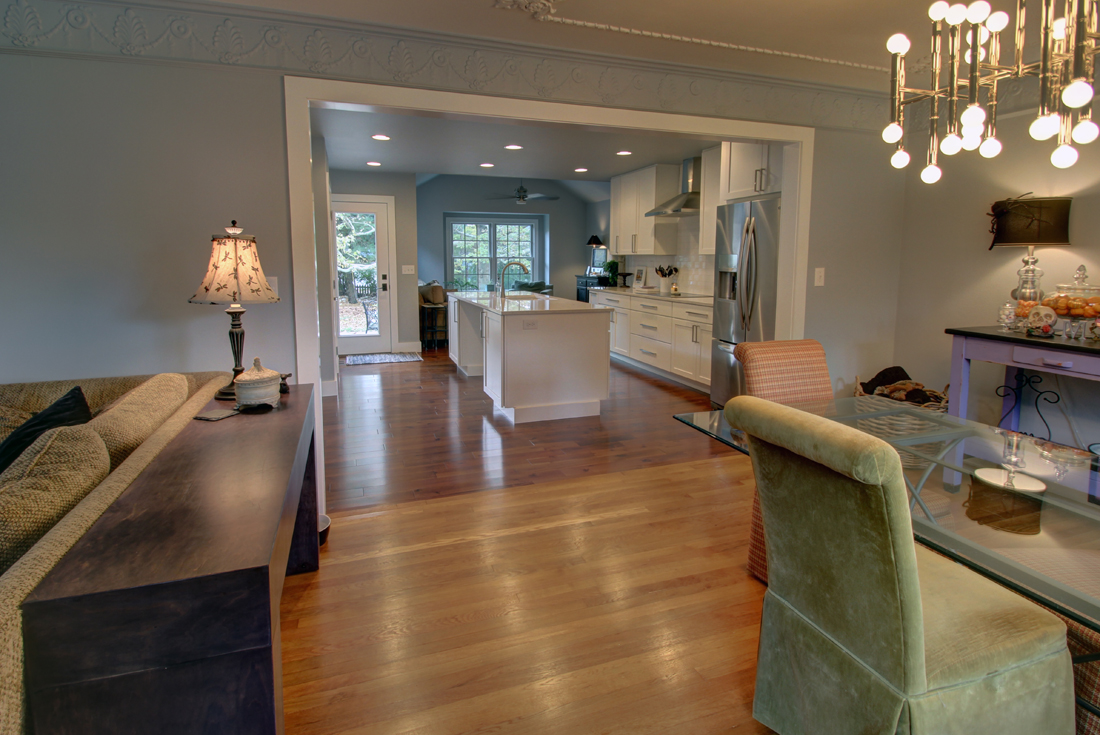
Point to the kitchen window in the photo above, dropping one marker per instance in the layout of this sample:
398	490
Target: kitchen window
477	247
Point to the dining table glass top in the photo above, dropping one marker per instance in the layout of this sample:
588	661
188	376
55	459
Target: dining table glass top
1021	510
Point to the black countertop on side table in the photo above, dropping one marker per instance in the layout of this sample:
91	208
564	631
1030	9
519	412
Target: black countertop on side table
1083	347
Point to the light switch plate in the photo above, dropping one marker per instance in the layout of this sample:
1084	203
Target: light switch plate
819	276
530	324
408	270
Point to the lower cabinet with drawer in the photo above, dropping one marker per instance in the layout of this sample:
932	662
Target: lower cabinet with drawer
671	337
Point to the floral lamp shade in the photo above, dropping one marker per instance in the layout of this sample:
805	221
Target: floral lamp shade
234	275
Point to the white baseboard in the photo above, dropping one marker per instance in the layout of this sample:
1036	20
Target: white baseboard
527	414
406	347
330	388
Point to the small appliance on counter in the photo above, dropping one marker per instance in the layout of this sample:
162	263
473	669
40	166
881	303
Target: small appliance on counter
746	267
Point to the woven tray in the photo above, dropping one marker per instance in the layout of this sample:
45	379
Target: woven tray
892	427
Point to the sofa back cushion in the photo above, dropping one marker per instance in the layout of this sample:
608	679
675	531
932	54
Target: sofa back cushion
70	409
44	483
138	414
11	418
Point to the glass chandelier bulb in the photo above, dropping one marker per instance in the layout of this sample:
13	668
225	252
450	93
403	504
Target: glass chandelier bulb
955	14
1058	30
1085	132
898	44
990	148
892	133
931	173
978	11
981	55
997	22
973	131
1064	156
900	159
971	142
951	144
1045	127
973	115
938	11
1077	94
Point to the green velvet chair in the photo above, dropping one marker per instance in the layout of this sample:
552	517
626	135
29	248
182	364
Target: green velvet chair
865	632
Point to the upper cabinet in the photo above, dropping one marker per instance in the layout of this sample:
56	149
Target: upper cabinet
709	200
749	169
634	194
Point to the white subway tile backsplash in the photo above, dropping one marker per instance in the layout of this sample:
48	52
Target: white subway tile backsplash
696	271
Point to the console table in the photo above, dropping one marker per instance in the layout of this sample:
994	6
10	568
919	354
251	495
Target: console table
164	617
1016	351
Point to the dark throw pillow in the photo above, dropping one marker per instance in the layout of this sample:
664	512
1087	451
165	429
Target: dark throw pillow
70	409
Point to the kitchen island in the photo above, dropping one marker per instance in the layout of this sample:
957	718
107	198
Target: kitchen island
541	357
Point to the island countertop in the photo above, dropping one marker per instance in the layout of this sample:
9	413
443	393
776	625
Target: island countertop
684	298
520	302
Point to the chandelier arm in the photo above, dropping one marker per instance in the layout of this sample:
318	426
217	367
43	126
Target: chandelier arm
1080	40
1046	54
953	42
934	110
994	58
1021	15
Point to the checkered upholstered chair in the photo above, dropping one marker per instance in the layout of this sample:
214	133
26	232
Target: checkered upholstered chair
790	372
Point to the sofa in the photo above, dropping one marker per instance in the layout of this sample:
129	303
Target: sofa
92	464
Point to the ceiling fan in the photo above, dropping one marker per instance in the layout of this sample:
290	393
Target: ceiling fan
521	196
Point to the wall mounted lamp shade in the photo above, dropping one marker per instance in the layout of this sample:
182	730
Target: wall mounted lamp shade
595	242
1028	222
234	276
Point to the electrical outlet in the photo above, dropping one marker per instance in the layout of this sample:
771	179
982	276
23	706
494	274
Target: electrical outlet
819	276
530	324
408	270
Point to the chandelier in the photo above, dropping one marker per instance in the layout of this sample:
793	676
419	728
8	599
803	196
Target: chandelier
1064	69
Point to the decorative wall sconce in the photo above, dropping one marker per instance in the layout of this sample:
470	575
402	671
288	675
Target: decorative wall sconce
1065	70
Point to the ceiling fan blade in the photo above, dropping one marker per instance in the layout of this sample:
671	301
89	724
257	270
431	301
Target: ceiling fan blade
502	196
542	196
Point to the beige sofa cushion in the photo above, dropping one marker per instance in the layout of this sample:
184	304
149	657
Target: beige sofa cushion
138	414
11	418
44	483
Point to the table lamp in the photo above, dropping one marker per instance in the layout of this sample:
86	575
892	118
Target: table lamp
1026	222
595	242
234	277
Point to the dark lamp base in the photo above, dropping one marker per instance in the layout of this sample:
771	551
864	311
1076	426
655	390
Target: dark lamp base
226	393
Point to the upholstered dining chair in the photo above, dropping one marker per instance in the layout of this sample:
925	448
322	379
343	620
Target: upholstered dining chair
862	630
790	372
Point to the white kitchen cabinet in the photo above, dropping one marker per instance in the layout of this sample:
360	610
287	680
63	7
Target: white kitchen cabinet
691	350
493	349
464	336
452	330
750	169
620	331
634	194
709	199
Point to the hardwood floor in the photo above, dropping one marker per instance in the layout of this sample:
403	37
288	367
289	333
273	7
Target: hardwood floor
576	576
406	431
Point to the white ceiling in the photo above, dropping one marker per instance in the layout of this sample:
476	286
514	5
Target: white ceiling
851	31
423	144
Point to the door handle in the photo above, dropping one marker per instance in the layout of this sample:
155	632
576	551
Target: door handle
385	287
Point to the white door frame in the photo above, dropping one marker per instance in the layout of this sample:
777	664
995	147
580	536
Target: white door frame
299	92
390	203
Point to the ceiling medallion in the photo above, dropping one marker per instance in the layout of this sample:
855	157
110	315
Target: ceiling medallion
543	10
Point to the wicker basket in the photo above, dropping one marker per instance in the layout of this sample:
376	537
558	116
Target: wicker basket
892	427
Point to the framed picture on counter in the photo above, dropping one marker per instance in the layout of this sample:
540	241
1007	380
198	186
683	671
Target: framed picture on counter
639	277
599	257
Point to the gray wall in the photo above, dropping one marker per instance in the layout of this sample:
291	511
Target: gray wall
949	277
856	219
403	188
569	256
115	176
598	220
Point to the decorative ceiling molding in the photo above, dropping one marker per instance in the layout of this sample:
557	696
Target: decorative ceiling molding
543	10
196	32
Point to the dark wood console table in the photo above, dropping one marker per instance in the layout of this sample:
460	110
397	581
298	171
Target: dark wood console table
164	617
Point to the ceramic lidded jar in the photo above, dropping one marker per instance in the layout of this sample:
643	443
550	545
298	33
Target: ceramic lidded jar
257	386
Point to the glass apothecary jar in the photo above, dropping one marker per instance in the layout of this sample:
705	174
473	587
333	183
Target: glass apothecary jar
1078	300
1028	293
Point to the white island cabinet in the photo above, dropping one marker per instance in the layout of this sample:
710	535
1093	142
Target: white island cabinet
543	357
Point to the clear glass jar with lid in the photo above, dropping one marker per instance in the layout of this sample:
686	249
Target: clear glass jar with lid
1028	294
1075	302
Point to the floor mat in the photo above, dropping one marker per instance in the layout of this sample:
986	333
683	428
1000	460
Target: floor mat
382	357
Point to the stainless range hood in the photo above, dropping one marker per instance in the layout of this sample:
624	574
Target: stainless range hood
687	202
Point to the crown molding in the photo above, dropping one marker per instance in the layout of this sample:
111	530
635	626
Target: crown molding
290	43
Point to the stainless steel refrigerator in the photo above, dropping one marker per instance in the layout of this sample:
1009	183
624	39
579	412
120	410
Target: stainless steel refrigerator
746	267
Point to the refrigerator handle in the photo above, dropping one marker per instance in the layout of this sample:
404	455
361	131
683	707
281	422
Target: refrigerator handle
755	261
742	254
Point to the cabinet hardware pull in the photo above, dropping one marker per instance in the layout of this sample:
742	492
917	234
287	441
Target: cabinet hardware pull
1057	363
611	301
647	352
695	313
647	326
694	333
647	306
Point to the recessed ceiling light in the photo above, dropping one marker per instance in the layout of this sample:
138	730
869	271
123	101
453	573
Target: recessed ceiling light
487	165
373	163
581	170
623	153
380	137
514	147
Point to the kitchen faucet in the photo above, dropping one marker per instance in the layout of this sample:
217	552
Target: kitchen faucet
500	279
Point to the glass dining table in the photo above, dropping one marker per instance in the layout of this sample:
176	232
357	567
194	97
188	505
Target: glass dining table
1022	511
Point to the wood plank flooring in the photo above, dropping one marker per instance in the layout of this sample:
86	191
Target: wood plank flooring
404	431
576	576
610	604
